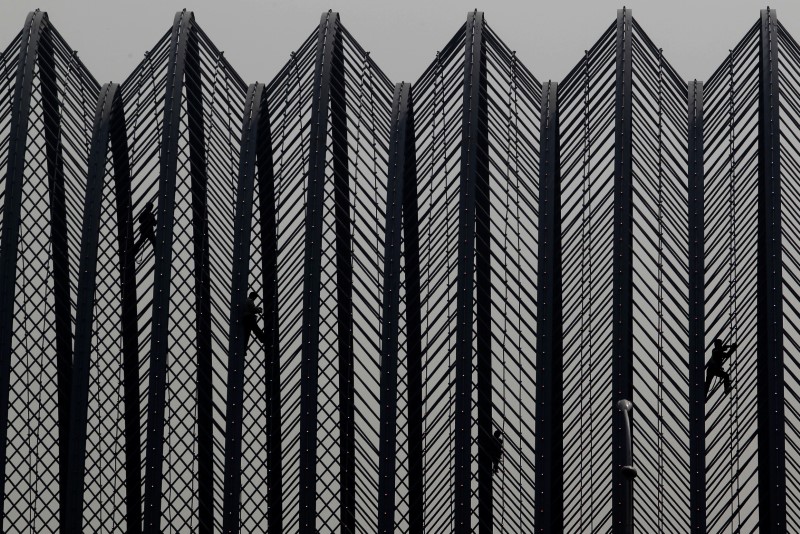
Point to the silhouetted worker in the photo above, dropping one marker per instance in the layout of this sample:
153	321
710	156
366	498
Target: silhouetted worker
496	450
250	319
719	354
147	223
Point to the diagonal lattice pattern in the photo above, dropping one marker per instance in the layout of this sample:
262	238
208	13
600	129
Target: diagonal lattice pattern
731	167
402	244
587	136
57	100
790	172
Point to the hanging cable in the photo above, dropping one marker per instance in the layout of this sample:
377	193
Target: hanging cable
660	296
733	405
515	157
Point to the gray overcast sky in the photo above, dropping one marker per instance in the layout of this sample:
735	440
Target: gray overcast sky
403	36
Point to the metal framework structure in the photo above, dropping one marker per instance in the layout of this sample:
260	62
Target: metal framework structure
438	260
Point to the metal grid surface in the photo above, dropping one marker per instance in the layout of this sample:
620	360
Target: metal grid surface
475	251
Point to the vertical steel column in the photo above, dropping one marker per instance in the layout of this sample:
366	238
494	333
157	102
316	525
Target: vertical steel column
182	26
269	273
473	255
483	280
416	481
622	330
130	325
309	367
344	289
84	319
199	187
771	435
243	220
59	242
9	239
697	413
398	138
549	342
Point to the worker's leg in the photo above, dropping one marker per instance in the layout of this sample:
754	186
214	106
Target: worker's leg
138	245
259	333
246	335
726	378
709	377
247	326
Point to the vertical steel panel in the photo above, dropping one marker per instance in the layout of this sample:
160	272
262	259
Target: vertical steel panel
130	324
416	479
344	290
269	272
771	434
241	269
622	278
181	28
472	236
697	411
391	309
9	242
59	245
549	377
87	284
199	187
483	281
328	28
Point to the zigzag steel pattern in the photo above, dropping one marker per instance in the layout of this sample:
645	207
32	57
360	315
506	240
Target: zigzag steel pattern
790	192
586	107
660	289
182	108
731	167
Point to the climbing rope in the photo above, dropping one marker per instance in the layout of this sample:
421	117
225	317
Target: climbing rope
733	407
515	157
376	199
660	296
505	184
448	229
587	310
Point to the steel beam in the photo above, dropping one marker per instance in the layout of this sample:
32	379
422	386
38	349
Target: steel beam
344	288
242	228
202	278
9	241
162	276
473	255
59	244
697	413
309	367
390	316
416	480
771	434
268	220
549	342
129	316
622	278
84	317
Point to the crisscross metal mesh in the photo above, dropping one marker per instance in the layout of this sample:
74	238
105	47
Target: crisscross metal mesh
59	124
139	402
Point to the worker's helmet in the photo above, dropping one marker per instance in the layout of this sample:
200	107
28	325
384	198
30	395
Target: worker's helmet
149	204
718	342
497	433
253	295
